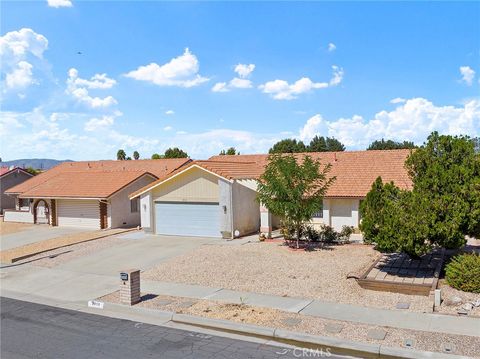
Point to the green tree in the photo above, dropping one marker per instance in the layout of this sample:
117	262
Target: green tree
156	156
229	152
442	207
446	170
32	171
121	155
293	189
136	155
288	145
390	145
175	153
322	144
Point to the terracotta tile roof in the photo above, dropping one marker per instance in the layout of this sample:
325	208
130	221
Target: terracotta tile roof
87	184
93	179
227	169
355	171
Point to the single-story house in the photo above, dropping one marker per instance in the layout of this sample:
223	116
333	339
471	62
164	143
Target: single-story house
89	194
9	177
217	197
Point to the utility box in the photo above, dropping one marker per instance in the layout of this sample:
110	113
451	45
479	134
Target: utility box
130	286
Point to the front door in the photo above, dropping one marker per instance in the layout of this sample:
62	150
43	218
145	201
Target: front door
42	214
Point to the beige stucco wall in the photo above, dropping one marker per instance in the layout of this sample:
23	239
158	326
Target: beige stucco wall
343	211
246	210
194	185
119	205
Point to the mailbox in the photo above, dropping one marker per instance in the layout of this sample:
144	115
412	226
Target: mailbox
124	276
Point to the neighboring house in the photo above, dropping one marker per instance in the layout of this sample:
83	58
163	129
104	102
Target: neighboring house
10	177
217	198
91	194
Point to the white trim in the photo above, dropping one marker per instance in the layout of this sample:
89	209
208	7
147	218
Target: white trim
177	174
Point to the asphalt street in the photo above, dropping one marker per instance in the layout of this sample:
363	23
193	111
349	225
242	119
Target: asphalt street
30	330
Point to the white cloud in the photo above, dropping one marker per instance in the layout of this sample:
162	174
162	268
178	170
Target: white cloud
20	77
241	82
220	87
16	45
59	3
77	87
244	70
19	50
95	123
97	81
181	71
468	75
413	121
397	100
168	128
169	112
331	47
282	90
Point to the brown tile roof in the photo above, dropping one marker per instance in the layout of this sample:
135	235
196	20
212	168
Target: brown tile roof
355	171
93	179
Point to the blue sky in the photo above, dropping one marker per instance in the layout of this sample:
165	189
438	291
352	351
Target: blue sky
253	73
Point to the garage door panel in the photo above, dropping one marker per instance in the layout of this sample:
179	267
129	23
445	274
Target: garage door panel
78	213
188	219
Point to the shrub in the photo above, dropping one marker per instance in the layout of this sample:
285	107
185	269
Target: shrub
463	272
345	233
328	234
312	234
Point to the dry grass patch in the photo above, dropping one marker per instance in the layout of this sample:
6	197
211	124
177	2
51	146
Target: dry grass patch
270	268
12	227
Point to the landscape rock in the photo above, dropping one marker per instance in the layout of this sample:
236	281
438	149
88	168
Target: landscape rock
476	303
467	306
453	301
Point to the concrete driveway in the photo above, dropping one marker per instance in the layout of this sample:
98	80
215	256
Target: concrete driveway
37	233
138	250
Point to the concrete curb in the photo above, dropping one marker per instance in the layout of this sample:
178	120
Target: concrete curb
335	345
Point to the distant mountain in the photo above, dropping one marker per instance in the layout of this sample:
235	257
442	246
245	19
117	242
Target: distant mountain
36	163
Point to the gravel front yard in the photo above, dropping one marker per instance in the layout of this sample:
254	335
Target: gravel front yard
270	268
465	345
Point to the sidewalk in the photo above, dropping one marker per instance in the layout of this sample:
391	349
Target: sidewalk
68	287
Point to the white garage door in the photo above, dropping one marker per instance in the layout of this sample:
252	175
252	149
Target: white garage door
78	213
188	219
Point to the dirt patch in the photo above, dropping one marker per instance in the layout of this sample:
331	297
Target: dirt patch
270	268
241	313
12	227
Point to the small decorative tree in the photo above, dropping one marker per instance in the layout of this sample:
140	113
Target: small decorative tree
293	188
136	155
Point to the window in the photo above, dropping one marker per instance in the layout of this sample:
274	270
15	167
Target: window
24	202
134	205
319	214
